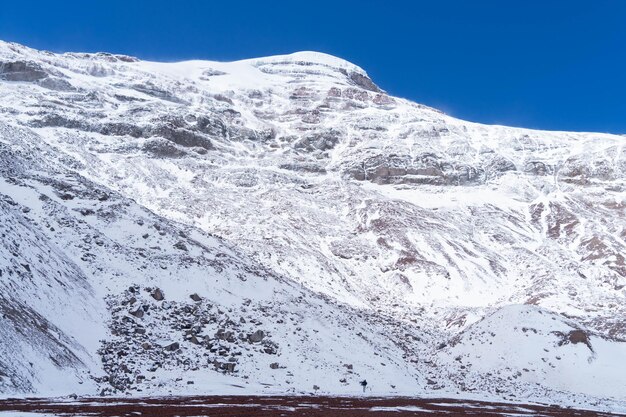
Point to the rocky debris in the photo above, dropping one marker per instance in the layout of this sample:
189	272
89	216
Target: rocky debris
209	337
320	141
270	347
223	334
225	366
180	245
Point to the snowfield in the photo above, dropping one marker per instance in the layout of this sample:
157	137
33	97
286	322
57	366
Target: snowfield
282	225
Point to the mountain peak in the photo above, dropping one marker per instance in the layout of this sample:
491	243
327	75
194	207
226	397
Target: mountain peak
281	221
305	63
311	58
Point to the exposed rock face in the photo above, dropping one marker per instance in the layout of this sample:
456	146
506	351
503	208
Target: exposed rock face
300	199
364	82
21	71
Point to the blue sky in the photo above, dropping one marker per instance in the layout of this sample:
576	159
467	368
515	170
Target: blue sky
543	64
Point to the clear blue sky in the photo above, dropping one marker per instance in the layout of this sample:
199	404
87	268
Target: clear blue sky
543	64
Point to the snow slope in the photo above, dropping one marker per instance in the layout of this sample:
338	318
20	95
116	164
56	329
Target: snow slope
365	235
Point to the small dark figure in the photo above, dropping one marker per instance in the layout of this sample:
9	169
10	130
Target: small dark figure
363	384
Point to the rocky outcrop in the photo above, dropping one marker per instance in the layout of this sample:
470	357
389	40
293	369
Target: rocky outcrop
24	71
426	168
364	82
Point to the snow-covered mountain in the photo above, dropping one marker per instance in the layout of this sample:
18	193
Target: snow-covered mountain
283	225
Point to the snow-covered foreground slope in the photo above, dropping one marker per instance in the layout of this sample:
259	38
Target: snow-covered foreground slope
327	232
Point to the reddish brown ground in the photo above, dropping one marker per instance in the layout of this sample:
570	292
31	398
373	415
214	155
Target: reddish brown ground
280	406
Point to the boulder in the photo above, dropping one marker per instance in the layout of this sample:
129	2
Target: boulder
256	336
195	297
172	347
579	336
157	294
137	313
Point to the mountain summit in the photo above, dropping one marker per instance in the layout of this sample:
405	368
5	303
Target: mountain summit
283	225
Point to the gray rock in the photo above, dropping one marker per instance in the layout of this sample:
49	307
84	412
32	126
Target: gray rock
162	148
57	84
180	245
256	336
137	313
364	82
172	347
321	141
181	137
21	71
157	294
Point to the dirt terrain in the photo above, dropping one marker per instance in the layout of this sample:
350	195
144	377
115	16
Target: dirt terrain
279	406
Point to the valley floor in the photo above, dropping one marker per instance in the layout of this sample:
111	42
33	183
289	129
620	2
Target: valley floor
296	406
